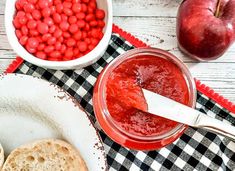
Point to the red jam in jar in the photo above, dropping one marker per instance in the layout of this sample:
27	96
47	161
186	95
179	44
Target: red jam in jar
118	97
124	94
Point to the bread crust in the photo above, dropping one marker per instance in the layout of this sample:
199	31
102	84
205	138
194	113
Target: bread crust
46	154
1	156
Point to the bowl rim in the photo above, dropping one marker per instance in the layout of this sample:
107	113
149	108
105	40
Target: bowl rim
81	62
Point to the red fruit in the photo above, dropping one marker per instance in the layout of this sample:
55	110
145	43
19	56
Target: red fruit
24	30
45	37
48	49
46	12
67	4
81	15
36	14
68	54
93	23
18	34
42	28
71	42
57	33
57	45
72	19
59	8
68	11
81	23
206	29
52	29
28	7
51	41
77	8
64	26
30	50
41	46
41	55
77	35
22	20
73	28
34	32
66	34
16	23
32	42
29	16
49	21
84	7
57	18
43	4
32	24
82	46
90	17
55	54
23	40
99	14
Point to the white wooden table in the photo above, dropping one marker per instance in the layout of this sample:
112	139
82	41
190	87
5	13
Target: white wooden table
153	21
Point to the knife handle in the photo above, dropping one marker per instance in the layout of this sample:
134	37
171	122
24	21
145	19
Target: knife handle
215	126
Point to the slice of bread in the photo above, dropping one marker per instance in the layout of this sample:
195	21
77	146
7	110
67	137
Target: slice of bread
1	156
45	155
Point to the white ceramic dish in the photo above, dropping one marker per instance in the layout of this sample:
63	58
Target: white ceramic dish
31	109
79	63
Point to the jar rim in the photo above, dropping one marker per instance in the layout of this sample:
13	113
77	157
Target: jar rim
135	53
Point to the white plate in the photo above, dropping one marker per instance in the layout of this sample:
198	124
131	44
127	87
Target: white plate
31	109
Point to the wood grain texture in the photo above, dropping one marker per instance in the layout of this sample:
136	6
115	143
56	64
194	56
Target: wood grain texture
153	21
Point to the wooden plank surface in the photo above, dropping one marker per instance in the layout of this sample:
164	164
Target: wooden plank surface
153	21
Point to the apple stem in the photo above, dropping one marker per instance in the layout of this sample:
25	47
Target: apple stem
218	8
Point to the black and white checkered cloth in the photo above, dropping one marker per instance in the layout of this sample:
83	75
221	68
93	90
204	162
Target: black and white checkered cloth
196	149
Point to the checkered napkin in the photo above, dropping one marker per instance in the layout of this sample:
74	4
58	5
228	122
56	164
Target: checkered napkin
196	149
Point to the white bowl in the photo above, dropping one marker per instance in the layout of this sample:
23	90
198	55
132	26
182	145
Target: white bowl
79	63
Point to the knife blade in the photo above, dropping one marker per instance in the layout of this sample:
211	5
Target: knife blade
170	109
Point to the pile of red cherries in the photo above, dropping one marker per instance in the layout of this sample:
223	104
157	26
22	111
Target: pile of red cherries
58	30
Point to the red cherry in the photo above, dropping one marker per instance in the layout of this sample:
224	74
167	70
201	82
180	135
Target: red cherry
73	28
57	33
77	8
66	34
82	46
93	23
32	42
23	40
20	14
32	24
55	54
22	20
36	14
72	20
52	29
100	14
53	9
46	12
41	46
18	34
30	50
28	7
41	55
67	4
49	21
16	23
64	25
51	41
84	7
71	42
29	16
57	18
68	54
59	8
45	37
90	17
24	30
81	23
34	32
81	15
43	4
42	28
68	11
57	45
48	49
77	35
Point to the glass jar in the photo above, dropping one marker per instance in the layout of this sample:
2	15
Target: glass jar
105	119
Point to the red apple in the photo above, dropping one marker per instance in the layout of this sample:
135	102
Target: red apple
206	28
